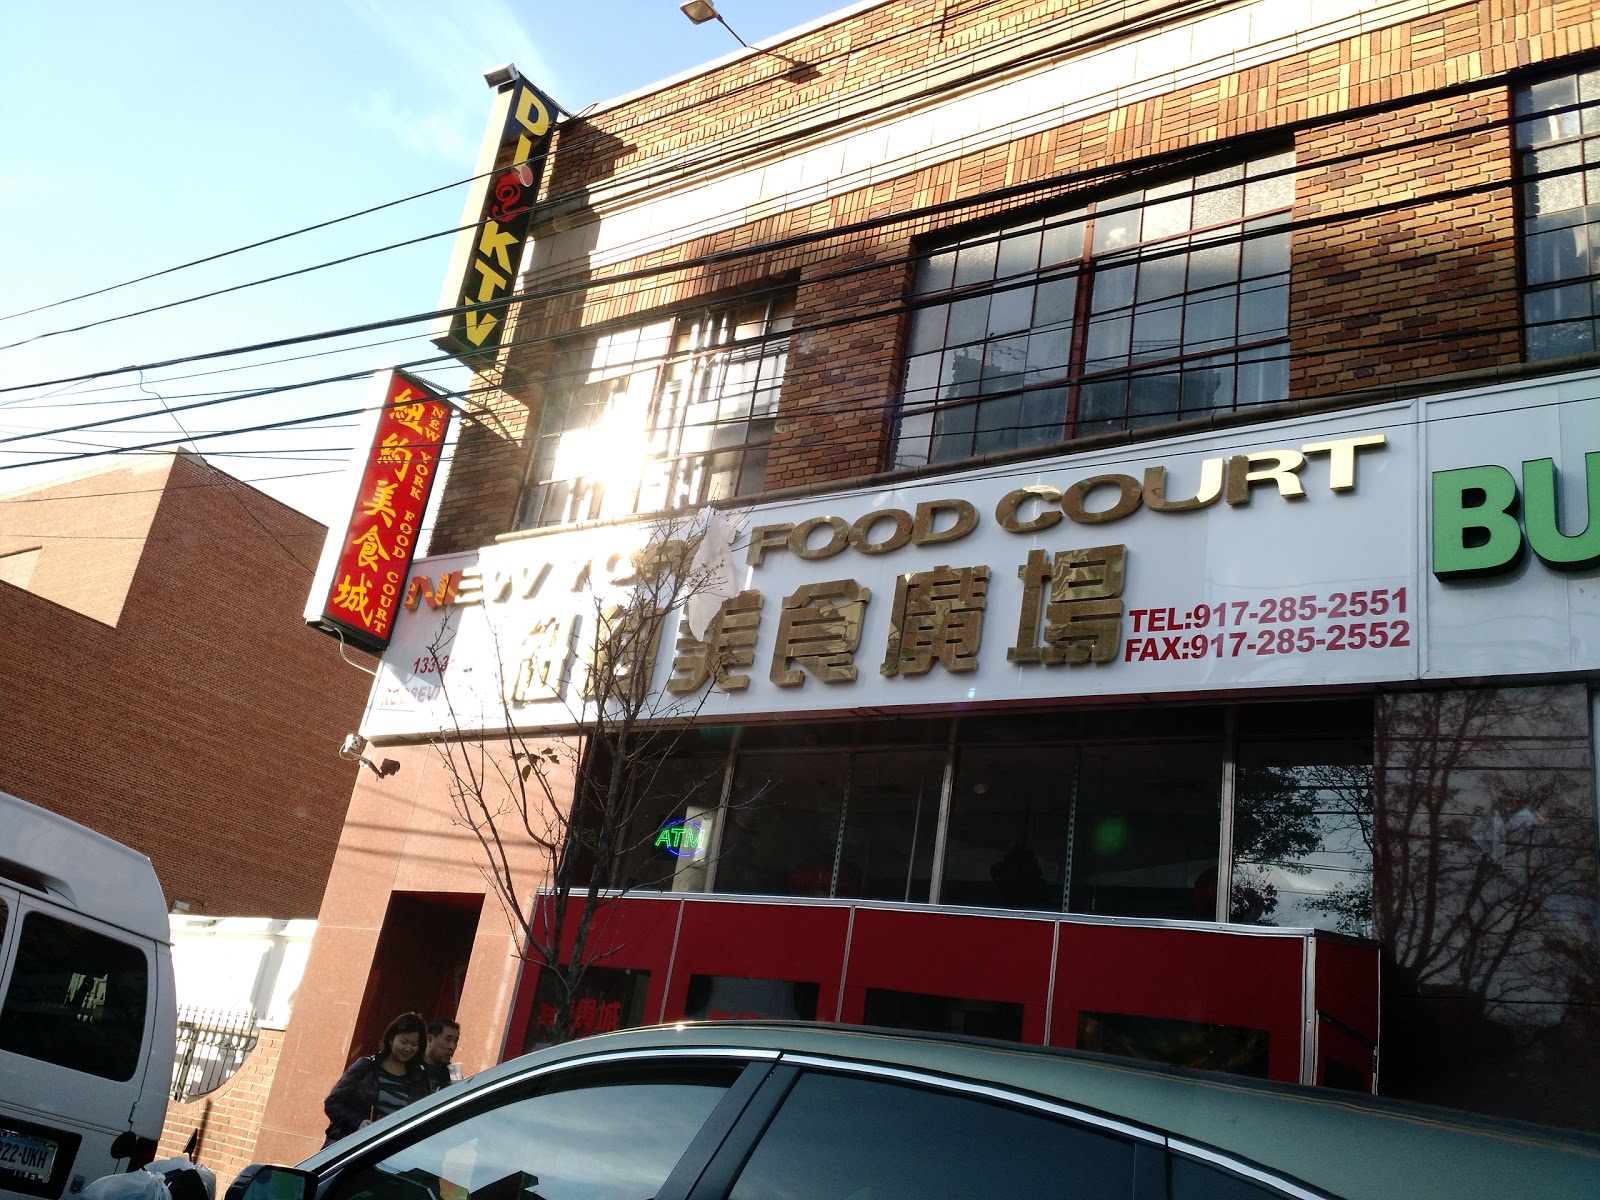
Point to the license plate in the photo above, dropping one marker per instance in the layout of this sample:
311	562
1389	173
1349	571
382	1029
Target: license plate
31	1157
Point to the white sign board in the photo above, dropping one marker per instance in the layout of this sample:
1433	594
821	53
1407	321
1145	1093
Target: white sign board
1290	554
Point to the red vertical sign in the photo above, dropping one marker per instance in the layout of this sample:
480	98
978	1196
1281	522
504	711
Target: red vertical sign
382	535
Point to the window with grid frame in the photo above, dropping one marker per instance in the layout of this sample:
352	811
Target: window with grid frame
669	414
1558	140
1140	308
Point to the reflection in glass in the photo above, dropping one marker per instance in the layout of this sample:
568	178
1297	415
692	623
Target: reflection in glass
1485	898
864	1139
609	1139
943	1014
1237	1049
1302	830
729	998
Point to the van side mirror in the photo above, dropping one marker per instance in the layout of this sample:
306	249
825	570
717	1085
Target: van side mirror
258	1182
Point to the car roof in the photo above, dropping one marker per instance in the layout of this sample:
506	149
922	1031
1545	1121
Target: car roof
1348	1144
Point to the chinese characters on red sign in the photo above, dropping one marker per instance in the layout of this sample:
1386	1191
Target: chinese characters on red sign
381	538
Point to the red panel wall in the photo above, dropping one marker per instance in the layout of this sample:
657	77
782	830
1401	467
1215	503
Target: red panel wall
1186	974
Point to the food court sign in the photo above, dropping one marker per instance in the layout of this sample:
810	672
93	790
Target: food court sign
1286	555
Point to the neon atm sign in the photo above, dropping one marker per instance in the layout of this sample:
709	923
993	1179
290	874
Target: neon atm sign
681	839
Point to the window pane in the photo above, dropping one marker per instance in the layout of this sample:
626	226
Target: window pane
77	998
1236	1049
1116	222
1048	354
890	823
837	1137
928	328
969	321
1011	310
1054	301
1157	331
618	1140
726	998
997	421
975	263
1302	828
1003	363
1019	255
782	830
1006	845
935	273
607	999
1108	342
943	1014
1146	825
1044	415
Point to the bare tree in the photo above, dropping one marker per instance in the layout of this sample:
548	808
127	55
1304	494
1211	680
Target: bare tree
587	803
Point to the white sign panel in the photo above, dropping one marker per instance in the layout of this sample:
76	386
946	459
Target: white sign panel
1292	554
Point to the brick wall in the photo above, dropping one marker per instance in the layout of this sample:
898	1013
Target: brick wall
1380	268
202	728
227	1119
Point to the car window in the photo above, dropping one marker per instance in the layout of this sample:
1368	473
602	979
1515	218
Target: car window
839	1137
594	1138
77	998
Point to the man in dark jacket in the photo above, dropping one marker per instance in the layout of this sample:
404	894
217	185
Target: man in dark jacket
443	1034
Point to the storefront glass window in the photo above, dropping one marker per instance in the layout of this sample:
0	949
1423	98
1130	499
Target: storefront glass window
670	841
1009	815
1302	826
891	818
782	824
1146	823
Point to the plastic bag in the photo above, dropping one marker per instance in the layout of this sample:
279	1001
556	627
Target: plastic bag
169	1179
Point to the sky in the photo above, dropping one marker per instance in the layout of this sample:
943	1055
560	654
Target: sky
136	138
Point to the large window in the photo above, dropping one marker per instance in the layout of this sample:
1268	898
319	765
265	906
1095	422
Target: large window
77	998
665	415
1114	812
1558	134
1139	308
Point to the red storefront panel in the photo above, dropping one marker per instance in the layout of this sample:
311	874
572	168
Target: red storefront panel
1347	990
634	933
1245	982
996	960
735	940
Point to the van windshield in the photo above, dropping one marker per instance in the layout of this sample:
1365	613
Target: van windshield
77	999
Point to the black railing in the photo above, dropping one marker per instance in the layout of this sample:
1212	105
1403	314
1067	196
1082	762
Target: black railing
212	1045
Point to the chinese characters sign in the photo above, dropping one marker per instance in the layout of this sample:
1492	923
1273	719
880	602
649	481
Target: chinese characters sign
1283	555
369	578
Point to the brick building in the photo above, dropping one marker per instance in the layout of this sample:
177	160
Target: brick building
162	689
1159	435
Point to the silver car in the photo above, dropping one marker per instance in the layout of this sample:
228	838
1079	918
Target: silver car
767	1111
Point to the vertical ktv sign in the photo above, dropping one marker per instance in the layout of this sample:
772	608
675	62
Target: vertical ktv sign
488	250
364	566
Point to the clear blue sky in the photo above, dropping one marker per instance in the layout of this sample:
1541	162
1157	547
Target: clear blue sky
138	136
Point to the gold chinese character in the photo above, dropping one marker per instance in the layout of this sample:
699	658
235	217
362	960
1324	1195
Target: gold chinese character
352	597
542	668
409	415
381	503
371	548
624	653
730	642
819	629
395	454
1083	619
937	617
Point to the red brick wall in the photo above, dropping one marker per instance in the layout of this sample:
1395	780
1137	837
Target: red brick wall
203	728
1379	274
229	1118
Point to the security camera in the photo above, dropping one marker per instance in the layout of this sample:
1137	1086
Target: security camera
501	76
354	744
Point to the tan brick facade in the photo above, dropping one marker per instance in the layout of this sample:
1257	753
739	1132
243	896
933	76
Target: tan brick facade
1404	259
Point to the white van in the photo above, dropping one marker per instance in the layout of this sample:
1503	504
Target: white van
88	1020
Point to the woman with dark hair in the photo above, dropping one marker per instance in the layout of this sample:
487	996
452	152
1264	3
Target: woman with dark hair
380	1084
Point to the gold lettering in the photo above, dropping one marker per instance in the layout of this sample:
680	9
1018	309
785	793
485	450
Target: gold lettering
923	532
1128	496
1005	513
837	541
863	527
1341	454
764	538
1208	493
1281	471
